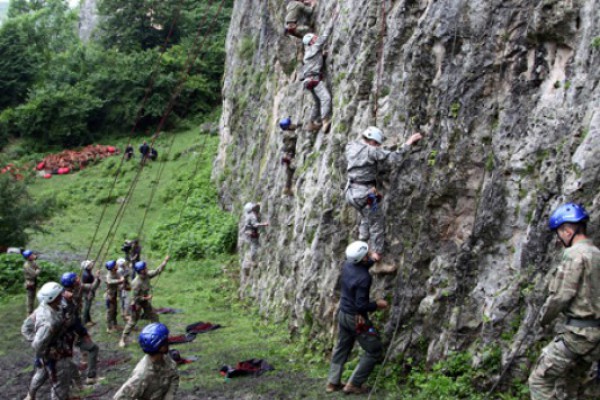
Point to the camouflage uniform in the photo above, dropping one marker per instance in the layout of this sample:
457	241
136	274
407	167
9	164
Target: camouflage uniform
289	156
575	291
31	271
125	291
140	288
151	381
364	163
298	14
45	329
89	285
112	290
252	234
78	334
312	72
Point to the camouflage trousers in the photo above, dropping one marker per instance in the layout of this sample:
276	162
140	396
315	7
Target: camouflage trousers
297	30
111	311
321	108
137	311
61	372
559	372
372	221
87	308
30	300
253	244
87	345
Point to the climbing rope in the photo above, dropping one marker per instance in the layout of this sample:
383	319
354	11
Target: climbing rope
192	56
139	113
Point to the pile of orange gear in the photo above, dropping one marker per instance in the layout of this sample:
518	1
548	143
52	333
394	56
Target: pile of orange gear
69	160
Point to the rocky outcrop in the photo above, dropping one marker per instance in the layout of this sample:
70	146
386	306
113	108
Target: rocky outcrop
88	19
506	94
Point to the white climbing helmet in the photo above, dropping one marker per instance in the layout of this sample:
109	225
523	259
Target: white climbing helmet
87	264
356	251
373	133
49	292
248	207
307	38
121	262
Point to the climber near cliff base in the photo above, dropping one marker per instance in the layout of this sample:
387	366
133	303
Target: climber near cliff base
297	17
312	75
574	290
288	130
365	159
354	323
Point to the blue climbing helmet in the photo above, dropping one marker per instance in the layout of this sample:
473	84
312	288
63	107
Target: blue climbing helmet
110	265
139	266
68	279
26	254
153	337
285	123
569	212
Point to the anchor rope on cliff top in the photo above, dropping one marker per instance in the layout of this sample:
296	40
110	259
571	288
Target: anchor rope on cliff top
191	60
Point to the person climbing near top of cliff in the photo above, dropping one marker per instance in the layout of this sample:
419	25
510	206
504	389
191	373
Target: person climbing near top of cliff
297	17
288	130
312	74
365	159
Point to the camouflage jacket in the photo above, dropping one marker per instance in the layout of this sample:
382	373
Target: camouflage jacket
141	285
297	11
365	161
43	328
251	223
313	55
574	290
289	142
151	381
112	283
31	271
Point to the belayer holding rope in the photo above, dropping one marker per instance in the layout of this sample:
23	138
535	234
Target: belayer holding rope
365	159
354	323
141	297
574	290
113	283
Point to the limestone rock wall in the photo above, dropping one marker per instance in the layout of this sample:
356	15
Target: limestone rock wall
506	94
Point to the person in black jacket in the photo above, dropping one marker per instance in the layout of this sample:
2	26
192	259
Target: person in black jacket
354	323
144	150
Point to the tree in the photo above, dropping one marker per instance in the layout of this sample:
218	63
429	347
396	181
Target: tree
19	212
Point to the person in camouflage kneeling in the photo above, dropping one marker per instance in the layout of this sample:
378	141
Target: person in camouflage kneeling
574	290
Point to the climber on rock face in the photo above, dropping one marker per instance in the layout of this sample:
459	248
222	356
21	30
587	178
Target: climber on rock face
574	290
298	14
365	159
354	323
289	152
312	75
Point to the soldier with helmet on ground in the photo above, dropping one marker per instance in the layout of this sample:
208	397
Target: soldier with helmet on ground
574	291
31	271
366	159
89	285
141	297
354	323
113	282
155	377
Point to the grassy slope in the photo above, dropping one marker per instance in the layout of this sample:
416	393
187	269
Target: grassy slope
204	290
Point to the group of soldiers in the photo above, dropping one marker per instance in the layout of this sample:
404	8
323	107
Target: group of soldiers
61	320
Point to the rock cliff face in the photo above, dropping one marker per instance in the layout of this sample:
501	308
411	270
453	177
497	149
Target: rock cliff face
88	19
507	96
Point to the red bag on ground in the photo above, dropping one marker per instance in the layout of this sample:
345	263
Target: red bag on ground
111	149
47	176
40	166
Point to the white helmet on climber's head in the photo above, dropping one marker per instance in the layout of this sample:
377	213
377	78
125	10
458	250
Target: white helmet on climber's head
121	262
357	251
87	264
373	133
248	207
308	38
49	292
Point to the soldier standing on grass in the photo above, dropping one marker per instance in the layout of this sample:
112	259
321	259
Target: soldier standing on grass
155	377
89	285
31	271
113	282
574	291
141	297
354	323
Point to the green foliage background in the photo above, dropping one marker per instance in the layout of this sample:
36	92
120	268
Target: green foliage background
11	273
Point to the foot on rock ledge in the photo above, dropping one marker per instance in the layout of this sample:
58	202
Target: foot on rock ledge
383	268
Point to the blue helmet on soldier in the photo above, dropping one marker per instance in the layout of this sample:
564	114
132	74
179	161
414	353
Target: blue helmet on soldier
68	279
110	265
153	337
26	254
139	266
285	123
567	213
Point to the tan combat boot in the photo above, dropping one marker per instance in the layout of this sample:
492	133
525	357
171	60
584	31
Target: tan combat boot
351	389
288	191
122	343
332	387
326	125
382	268
313	126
